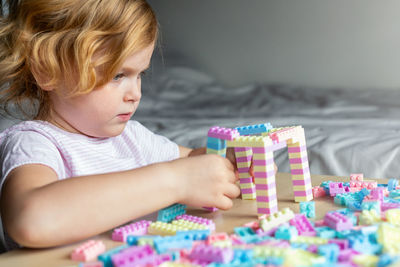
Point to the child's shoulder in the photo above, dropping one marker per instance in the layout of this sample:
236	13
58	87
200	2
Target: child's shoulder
27	131
28	127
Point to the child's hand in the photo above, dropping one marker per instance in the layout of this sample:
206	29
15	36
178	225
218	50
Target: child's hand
206	181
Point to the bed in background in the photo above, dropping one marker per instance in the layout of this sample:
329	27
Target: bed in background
347	131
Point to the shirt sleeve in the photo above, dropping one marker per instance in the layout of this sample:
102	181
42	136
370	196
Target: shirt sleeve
27	147
155	148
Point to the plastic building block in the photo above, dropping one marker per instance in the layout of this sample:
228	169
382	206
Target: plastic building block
286	232
212	254
356	177
244	231
308	209
217	237
325	232
377	194
276	219
318	192
223	133
207	222
137	228
163	244
336	188
138	256
169	213
254	129
338	221
194	234
88	251
392	184
393	216
303	225
106	257
329	251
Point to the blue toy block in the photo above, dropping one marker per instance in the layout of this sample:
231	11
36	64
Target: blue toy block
254	129
133	240
244	231
386	260
329	251
163	244
392	184
105	257
308	209
325	232
242	255
169	213
215	143
194	234
286	232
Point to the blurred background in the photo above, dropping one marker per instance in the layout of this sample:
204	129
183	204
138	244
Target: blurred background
318	43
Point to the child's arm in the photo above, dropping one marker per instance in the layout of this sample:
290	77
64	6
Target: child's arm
40	211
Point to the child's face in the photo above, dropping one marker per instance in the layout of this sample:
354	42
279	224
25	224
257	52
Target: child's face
105	111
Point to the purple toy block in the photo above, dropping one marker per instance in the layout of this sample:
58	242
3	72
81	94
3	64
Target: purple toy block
137	228
336	188
223	133
377	193
338	221
132	256
211	254
388	206
303	225
209	223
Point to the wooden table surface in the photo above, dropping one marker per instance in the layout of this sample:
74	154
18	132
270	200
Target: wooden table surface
242	212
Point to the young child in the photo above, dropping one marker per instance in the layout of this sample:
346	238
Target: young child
80	166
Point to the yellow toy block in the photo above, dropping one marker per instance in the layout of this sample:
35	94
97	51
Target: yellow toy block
365	260
276	219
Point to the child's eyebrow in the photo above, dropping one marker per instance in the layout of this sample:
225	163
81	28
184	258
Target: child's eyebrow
128	69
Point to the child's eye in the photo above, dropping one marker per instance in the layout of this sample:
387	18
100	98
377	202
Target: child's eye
118	76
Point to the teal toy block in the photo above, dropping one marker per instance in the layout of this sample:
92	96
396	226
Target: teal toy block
169	213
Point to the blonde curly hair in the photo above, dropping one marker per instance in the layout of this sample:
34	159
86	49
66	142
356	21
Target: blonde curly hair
70	46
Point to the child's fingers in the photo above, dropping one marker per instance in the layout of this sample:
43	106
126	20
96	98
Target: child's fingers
232	191
224	203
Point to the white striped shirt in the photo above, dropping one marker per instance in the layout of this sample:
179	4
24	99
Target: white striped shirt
71	154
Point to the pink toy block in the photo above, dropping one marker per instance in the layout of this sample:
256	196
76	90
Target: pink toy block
209	223
216	238
223	133
318	191
303	225
356	177
336	188
338	221
284	134
212	209
88	251
211	254
137	228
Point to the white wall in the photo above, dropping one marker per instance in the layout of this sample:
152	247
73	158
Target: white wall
319	43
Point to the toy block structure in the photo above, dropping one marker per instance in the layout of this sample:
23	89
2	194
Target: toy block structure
254	146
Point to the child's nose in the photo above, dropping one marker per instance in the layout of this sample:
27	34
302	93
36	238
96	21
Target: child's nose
133	93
